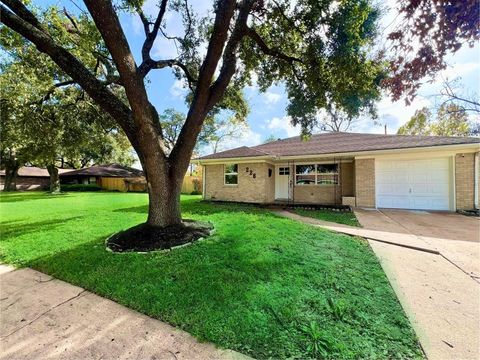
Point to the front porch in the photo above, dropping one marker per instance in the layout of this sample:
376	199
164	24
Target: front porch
322	182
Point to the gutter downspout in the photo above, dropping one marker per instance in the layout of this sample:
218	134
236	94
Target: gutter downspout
475	191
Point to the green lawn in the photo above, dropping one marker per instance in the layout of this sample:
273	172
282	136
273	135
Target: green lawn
264	285
341	217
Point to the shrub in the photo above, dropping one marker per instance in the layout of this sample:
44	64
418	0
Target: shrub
80	187
196	187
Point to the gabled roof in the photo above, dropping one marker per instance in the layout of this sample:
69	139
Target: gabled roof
340	142
110	170
33	171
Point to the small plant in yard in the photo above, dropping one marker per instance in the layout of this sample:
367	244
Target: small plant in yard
337	308
318	343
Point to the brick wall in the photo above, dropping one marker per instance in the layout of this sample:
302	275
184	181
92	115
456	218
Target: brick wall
248	189
365	182
270	184
464	181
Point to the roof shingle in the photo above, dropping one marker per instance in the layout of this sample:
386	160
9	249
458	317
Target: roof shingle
111	170
340	142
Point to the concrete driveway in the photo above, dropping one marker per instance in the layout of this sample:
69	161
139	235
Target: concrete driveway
437	280
456	237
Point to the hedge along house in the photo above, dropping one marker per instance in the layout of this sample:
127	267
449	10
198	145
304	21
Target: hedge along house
365	170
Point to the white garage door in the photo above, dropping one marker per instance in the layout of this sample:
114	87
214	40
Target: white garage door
413	184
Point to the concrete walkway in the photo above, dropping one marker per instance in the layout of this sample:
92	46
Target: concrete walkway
45	318
434	279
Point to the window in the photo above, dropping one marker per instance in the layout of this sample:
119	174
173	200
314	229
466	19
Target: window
283	171
327	174
231	174
320	174
305	174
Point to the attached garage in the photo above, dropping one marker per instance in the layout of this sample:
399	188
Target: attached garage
424	184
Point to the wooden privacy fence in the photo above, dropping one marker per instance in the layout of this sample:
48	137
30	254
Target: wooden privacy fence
191	184
113	184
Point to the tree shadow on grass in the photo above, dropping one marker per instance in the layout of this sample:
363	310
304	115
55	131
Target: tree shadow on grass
13	229
15	197
202	208
206	288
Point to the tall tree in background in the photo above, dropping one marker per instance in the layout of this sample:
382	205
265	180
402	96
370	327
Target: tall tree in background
320	50
49	123
214	132
449	120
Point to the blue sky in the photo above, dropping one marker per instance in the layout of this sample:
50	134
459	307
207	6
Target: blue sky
268	115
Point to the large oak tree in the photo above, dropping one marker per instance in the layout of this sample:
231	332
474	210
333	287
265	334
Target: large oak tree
320	49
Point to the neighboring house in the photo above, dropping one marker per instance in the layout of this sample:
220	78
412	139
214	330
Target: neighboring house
109	177
31	178
366	170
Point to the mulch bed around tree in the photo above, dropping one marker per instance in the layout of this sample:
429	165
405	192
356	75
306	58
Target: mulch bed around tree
144	237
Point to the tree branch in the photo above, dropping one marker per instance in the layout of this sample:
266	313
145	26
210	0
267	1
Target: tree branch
152	35
108	24
160	64
180	155
252	34
20	9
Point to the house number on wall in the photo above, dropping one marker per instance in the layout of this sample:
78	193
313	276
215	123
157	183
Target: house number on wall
251	173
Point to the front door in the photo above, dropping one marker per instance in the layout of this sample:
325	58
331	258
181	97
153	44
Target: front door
282	180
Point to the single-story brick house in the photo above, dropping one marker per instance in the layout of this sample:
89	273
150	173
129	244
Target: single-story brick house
31	178
365	170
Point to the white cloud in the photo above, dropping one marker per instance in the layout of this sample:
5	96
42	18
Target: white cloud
458	70
178	88
392	114
282	126
271	98
247	138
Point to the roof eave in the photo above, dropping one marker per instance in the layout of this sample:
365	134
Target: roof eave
465	146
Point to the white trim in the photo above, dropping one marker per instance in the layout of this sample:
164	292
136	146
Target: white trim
453	204
204	181
475	183
233	173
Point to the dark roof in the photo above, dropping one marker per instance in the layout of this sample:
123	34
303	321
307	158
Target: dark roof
340	142
111	170
32	171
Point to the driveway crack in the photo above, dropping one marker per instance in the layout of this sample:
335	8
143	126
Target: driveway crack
44	313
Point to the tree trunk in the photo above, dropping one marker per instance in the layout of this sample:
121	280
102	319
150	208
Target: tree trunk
164	189
54	179
11	173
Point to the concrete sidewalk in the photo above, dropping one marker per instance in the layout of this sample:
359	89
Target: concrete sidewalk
45	318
